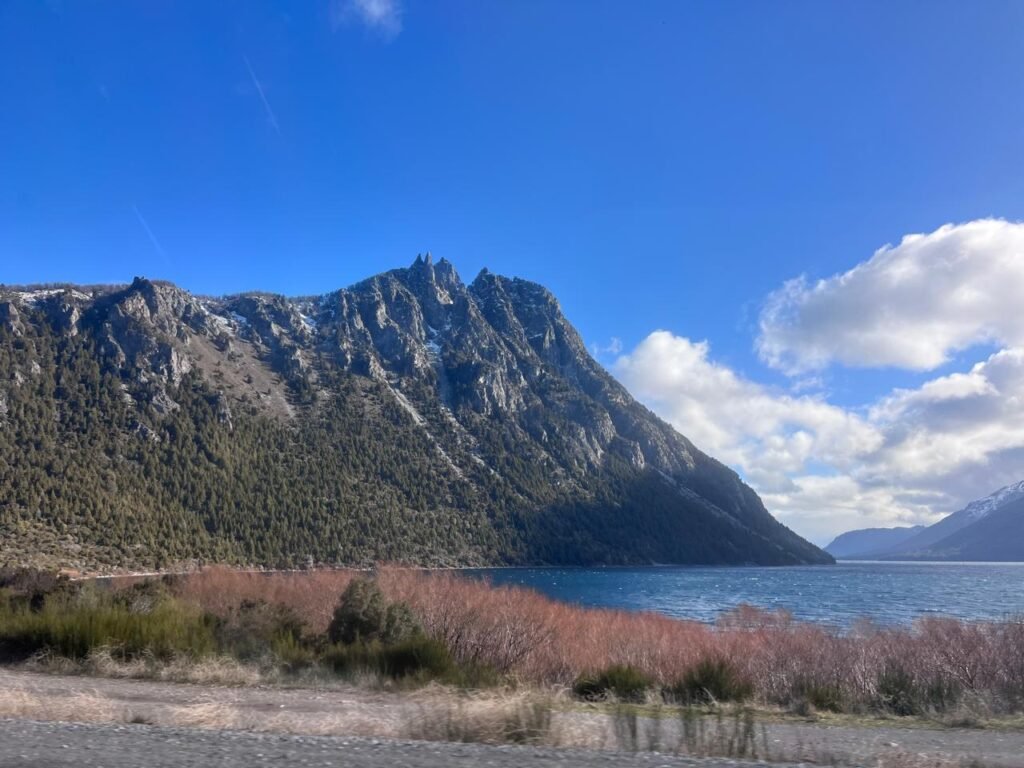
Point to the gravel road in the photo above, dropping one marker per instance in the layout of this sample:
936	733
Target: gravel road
30	744
189	725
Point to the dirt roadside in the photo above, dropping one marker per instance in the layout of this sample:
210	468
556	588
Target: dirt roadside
438	715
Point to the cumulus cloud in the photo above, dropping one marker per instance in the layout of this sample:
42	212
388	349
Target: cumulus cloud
957	426
904	459
384	16
909	306
819	507
769	434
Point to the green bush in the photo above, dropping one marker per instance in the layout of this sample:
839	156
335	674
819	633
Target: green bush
623	682
901	694
942	695
73	631
143	597
293	653
824	696
31	588
417	657
255	629
709	681
363	615
898	692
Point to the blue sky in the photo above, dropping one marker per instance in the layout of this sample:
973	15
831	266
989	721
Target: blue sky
658	165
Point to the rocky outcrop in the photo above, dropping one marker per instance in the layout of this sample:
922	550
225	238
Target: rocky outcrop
10	318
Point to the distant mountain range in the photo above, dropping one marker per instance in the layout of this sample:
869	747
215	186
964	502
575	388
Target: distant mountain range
991	528
854	544
410	417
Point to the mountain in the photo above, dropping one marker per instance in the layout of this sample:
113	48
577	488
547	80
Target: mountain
866	542
997	537
409	417
991	528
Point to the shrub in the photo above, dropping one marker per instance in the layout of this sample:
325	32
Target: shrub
292	653
902	694
143	597
31	588
30	580
254	629
818	696
897	692
218	590
75	631
623	682
418	657
710	681
948	666
363	615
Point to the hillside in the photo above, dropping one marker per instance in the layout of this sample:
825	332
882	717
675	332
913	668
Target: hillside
925	543
409	417
991	528
867	542
998	537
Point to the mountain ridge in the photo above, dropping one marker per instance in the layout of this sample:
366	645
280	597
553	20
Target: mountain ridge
863	542
989	528
498	438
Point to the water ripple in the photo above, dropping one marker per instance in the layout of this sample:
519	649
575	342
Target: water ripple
887	593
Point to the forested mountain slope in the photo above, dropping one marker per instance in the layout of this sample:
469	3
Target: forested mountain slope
409	418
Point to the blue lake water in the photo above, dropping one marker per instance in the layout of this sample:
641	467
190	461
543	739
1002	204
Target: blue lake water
888	593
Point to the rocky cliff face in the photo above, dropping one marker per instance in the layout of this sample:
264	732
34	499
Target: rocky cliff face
528	450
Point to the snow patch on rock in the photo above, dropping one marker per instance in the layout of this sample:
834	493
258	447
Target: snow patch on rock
981	508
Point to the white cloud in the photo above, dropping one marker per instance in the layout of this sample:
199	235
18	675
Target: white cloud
824	469
821	506
384	16
769	435
910	306
613	347
966	422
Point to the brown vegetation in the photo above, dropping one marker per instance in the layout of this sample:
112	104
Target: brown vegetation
311	595
935	666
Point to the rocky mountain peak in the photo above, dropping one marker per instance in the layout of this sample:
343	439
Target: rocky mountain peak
433	283
489	385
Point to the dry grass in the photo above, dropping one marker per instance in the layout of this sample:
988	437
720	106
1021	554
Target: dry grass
510	717
436	714
210	714
208	670
74	707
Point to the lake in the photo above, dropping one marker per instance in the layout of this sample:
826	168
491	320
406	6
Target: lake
888	593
